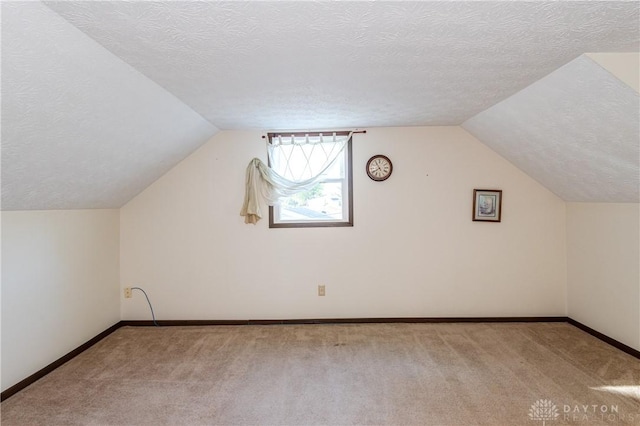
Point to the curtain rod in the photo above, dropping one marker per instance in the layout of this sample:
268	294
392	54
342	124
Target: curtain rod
328	132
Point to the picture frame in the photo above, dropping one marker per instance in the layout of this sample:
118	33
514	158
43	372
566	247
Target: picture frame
487	205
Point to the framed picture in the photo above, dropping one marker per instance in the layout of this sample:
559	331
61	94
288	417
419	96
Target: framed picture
487	205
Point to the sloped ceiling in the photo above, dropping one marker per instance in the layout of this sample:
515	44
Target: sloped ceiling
84	128
81	128
625	66
576	131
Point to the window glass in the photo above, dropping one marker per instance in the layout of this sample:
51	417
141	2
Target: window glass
328	202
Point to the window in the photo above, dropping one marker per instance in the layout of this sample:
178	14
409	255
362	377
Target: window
300	156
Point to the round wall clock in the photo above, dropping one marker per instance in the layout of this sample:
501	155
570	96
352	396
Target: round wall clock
379	168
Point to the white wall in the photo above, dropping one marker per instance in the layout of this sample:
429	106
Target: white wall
59	285
603	261
413	251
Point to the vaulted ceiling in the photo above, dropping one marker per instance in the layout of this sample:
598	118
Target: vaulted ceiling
102	98
576	131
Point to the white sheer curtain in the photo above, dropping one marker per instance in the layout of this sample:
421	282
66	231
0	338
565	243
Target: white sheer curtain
297	163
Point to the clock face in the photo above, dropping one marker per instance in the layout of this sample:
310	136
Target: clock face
379	167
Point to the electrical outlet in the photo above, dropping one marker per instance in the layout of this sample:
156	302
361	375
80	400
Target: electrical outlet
321	290
127	293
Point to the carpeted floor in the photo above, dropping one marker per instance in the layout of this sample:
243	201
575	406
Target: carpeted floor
368	374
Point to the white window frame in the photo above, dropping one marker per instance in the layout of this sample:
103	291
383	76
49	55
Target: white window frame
347	191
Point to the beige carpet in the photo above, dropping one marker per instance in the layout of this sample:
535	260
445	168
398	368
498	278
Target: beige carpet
374	374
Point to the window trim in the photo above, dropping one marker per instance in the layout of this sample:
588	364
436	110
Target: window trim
349	165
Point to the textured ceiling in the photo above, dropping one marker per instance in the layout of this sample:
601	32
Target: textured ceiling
576	131
100	98
625	66
80	128
274	65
